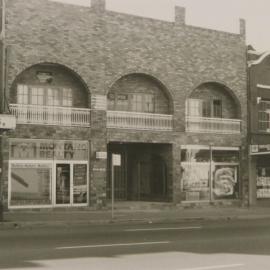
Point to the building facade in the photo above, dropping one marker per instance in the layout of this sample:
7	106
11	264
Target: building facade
85	83
259	136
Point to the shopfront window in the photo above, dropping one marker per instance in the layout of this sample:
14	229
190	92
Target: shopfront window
209	173
263	177
195	173
48	172
31	184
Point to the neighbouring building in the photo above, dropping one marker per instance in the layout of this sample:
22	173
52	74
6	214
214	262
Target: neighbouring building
85	83
259	130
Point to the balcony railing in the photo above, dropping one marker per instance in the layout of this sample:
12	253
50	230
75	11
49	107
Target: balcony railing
50	115
141	121
212	125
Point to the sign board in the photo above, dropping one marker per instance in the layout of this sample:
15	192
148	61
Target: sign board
7	121
259	149
101	155
116	160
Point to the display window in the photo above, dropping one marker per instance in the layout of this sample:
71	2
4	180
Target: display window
31	183
209	173
58	177
263	182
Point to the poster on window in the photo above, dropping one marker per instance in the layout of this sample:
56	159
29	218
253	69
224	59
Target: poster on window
30	184
225	182
195	181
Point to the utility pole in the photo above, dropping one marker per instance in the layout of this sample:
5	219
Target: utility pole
2	98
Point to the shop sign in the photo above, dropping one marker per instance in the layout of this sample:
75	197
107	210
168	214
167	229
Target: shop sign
48	149
116	160
44	77
7	121
259	149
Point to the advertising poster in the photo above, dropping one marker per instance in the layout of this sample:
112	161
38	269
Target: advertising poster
225	184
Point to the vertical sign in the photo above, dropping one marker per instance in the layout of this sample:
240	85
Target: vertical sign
116	161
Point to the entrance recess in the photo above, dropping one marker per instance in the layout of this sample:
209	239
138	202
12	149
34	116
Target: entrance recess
144	172
71	183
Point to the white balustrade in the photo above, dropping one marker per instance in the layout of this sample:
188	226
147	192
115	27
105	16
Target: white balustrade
213	125
141	121
50	115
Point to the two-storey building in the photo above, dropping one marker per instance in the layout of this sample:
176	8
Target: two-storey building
86	82
259	130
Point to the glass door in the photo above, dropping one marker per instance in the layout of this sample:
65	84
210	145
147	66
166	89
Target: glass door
63	183
79	183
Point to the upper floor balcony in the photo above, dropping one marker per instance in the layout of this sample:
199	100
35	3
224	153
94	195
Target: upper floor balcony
139	102
50	115
139	121
212	109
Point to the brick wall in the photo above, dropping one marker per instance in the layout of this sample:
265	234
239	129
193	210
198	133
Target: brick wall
102	46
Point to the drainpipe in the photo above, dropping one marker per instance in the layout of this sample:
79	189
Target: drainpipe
2	98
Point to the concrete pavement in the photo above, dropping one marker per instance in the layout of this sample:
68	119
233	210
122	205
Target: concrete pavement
144	213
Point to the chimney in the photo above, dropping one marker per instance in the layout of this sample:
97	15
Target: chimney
242	28
180	15
98	5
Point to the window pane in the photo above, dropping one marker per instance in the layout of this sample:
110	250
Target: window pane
37	96
217	108
195	168
149	103
22	94
53	97
263	182
194	107
80	183
136	103
30	184
228	156
67	97
264	116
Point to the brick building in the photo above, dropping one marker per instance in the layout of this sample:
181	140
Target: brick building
85	82
259	136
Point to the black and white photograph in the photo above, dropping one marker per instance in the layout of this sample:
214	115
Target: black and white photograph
134	135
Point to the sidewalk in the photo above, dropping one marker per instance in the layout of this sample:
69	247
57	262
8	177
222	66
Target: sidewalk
87	216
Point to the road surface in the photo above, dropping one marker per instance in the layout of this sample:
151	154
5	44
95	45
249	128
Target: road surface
211	245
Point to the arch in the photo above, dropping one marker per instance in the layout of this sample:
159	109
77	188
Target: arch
222	88
160	85
64	76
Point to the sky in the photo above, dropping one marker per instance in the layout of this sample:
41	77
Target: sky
214	14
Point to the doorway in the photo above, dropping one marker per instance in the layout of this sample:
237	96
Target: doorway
143	174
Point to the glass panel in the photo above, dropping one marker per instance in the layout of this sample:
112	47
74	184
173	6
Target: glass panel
54	97
137	105
194	107
195	181
67	97
37	96
227	156
80	183
225	182
22	94
122	103
31	184
195	167
62	183
217	108
149	103
263	182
